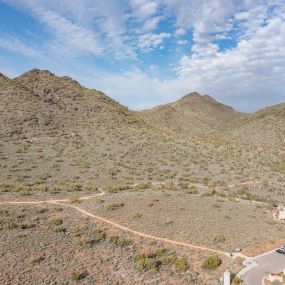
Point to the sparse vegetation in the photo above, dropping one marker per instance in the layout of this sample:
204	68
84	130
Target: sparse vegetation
60	139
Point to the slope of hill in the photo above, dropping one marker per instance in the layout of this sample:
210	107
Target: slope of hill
192	114
54	131
38	102
266	126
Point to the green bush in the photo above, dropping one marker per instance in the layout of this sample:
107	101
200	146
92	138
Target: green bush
115	206
100	235
35	260
56	221
122	242
159	252
146	262
75	275
212	262
83	241
74	199
75	232
192	190
168	260
219	238
181	264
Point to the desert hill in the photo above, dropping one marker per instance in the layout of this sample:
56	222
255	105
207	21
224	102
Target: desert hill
193	113
55	131
40	103
266	126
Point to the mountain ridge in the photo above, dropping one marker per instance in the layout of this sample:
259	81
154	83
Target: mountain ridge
58	99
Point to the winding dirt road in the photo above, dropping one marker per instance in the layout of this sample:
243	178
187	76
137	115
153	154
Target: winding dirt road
114	224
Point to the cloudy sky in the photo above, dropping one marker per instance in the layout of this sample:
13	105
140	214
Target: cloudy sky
147	52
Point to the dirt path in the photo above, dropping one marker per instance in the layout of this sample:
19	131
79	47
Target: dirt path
141	234
63	202
114	224
50	201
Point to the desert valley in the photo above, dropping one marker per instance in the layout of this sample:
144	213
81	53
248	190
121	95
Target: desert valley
95	193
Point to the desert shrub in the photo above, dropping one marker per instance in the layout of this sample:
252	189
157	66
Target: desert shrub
137	215
219	239
122	242
74	199
25	191
142	186
112	189
192	190
90	188
171	186
100	235
115	206
56	221
57	209
9	225
168	260
216	206
75	275
74	187
239	260
24	226
145	262
159	252
212	262
209	193
59	229
40	210
83	241
181	264
34	260
75	232
41	188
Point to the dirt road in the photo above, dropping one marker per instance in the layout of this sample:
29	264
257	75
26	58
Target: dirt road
64	202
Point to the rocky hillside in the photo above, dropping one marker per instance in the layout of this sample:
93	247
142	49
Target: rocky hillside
39	103
54	131
266	126
193	113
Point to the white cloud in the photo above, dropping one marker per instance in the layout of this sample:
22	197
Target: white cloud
83	26
151	24
183	42
249	76
180	32
70	34
143	9
17	46
147	42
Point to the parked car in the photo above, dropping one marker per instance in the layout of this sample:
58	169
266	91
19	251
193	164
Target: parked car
236	249
281	250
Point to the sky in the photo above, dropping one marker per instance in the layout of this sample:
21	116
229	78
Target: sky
144	52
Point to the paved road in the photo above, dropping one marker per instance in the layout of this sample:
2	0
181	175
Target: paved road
271	262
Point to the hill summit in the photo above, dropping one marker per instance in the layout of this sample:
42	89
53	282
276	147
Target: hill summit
192	113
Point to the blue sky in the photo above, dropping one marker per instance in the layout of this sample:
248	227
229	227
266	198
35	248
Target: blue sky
144	52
